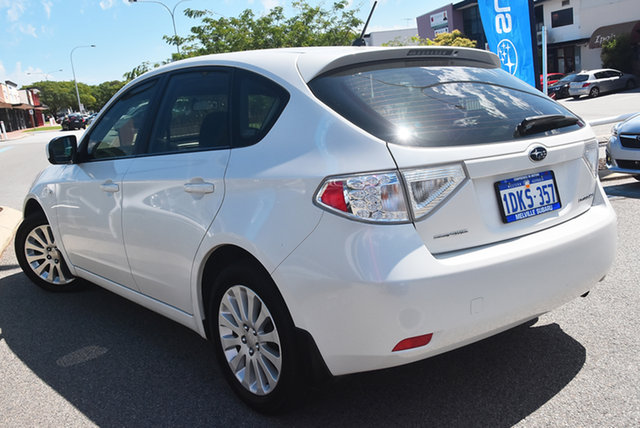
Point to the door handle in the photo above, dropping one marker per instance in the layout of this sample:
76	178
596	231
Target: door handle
199	188
109	186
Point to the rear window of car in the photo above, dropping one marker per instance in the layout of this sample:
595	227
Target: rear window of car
581	78
433	105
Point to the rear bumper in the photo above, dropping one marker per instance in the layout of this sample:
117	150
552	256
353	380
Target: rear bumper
579	91
373	286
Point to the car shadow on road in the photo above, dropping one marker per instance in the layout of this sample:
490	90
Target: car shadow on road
121	365
628	189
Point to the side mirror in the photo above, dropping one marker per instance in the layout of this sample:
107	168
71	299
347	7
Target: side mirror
62	150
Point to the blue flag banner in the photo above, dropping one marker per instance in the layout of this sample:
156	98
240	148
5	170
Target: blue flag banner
507	25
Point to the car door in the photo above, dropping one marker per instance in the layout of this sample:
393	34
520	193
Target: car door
89	195
617	82
172	194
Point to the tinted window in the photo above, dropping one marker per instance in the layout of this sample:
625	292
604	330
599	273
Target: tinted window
118	133
562	17
581	78
601	75
568	78
259	102
194	113
434	106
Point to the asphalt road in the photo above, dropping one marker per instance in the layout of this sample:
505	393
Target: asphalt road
93	358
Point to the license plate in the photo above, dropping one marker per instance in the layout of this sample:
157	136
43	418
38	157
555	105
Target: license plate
527	196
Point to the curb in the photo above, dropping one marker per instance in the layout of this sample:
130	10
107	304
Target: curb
9	221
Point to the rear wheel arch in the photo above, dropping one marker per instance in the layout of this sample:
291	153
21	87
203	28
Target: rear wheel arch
217	262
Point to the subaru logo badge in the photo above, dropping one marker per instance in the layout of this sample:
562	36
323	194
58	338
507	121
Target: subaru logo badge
537	154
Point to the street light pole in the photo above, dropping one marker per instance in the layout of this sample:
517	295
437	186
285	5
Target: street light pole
80	106
46	75
172	12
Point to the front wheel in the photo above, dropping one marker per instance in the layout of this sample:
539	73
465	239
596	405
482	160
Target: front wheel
253	338
39	257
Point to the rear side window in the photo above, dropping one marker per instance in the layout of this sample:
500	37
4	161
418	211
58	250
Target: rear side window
417	103
258	105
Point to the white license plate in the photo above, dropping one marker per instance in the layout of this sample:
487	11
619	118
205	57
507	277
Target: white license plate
527	196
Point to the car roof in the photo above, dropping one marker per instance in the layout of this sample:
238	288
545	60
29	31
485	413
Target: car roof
309	62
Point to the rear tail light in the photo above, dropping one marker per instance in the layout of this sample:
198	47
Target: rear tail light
591	156
382	198
371	197
429	187
585	85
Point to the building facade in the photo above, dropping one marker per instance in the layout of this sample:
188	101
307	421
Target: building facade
576	29
391	37
20	109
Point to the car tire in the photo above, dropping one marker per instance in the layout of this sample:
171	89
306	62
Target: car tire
254	338
39	257
594	92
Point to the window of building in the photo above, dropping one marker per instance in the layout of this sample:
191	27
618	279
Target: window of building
563	17
472	26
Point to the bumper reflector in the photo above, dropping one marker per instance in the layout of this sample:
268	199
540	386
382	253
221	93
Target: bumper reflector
413	342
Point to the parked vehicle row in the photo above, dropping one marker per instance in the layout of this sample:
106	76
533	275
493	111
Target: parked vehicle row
591	83
326	210
76	121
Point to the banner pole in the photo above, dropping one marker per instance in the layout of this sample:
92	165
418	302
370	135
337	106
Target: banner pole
544	60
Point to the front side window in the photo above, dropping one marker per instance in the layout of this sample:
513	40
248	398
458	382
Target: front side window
422	104
194	113
118	134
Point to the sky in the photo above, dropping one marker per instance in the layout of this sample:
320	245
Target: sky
37	37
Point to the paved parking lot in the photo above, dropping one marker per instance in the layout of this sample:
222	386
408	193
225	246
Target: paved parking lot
93	358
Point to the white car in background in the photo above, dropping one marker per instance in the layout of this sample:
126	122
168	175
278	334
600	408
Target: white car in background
594	82
328	209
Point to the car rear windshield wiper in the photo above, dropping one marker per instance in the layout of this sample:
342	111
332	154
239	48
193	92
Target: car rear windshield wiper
536	124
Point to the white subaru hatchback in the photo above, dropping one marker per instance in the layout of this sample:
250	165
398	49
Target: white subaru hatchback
330	210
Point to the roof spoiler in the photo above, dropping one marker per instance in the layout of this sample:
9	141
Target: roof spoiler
371	54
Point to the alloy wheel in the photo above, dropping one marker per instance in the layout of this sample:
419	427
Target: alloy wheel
44	258
250	340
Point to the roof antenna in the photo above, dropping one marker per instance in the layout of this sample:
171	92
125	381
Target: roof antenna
360	40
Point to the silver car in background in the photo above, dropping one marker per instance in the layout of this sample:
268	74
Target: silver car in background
623	148
594	82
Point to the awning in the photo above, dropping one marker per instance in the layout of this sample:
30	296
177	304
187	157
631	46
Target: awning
608	32
22	106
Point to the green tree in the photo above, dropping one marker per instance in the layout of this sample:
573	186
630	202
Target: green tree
141	69
618	53
104	91
56	95
454	38
310	26
59	96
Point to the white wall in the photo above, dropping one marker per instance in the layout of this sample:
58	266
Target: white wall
588	16
377	38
